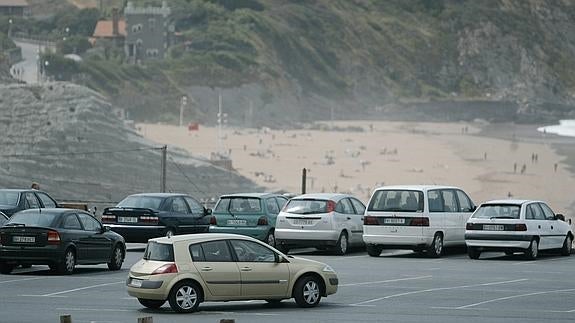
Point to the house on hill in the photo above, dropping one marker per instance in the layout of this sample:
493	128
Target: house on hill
113	30
14	8
148	32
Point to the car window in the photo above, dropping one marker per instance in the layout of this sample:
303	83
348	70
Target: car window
449	201
245	205
9	198
89	223
138	201
46	200
178	205
497	211
216	251
33	219
249	251
534	212
71	222
434	201
272	206
159	251
359	207
222	205
281	201
465	204
194	205
396	201
196	252
344	206
307	206
549	215
31	201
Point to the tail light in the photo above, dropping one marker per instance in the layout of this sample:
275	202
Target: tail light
170	268
108	218
330	206
263	221
420	222
370	220
53	237
213	221
150	219
469	226
520	227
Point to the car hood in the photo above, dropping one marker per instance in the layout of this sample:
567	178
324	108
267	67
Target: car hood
306	262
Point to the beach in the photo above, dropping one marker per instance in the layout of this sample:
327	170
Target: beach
358	156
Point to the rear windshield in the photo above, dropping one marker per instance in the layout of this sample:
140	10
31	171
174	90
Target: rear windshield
9	198
396	201
497	211
33	219
146	202
308	206
159	252
238	205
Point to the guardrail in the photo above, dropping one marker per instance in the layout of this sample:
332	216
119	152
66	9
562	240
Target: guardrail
147	319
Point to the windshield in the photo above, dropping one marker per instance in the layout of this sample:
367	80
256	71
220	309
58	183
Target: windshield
239	205
497	211
146	202
9	198
396	201
306	206
159	252
36	219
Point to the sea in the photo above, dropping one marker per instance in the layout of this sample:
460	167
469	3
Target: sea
564	128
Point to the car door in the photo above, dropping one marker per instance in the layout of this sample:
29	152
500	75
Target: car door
100	245
219	271
180	215
436	214
454	233
465	209
198	214
73	231
272	210
31	201
261	273
556	236
344	215
536	223
359	209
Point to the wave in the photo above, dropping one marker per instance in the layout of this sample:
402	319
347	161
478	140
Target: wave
564	128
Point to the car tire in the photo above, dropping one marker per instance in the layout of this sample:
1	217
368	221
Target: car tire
342	244
185	297
307	291
435	250
6	269
68	263
117	258
533	251
151	303
271	239
473	252
373	250
567	245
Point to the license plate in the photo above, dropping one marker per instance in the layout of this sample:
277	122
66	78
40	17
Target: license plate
136	282
493	227
394	221
302	222
24	239
237	222
128	219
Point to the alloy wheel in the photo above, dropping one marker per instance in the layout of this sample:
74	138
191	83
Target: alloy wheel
311	292
186	297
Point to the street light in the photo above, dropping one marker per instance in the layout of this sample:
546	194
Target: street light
46	63
67	30
9	28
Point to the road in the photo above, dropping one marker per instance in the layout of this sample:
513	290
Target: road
395	287
28	67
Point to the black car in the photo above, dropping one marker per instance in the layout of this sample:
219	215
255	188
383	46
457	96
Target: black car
14	200
140	217
59	238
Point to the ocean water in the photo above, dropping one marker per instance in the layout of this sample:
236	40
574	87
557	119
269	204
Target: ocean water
564	128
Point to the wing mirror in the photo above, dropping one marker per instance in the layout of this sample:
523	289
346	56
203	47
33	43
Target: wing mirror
207	211
559	217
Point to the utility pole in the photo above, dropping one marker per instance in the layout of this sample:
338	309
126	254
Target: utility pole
182	106
163	165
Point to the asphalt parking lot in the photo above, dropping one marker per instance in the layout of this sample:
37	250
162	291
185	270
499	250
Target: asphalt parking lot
398	286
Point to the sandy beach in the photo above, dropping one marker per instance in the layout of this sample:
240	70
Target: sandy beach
362	155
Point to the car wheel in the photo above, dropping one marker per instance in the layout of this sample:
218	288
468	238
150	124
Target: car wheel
342	244
436	248
271	239
117	259
151	303
67	265
567	244
373	250
307	292
170	232
473	252
6	269
533	251
185	297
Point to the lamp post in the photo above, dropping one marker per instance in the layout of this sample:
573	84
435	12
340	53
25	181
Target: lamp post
46	64
182	106
10	28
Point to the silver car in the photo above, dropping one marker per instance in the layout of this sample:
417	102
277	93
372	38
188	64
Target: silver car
324	221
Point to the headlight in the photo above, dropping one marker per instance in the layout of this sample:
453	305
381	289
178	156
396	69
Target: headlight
328	269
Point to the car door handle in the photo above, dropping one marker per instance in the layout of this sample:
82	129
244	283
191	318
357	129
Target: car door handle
551	227
539	227
348	218
207	269
246	269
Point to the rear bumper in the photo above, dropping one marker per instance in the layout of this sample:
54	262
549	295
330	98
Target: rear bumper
306	238
494	242
138	233
156	288
259	232
31	255
398	241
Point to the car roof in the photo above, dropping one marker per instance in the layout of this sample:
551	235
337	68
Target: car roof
255	195
160	194
322	196
200	237
52	211
416	187
19	190
509	201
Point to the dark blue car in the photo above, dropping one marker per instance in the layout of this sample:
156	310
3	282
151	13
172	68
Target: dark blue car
14	200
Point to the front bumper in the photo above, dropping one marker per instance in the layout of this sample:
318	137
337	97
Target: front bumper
331	284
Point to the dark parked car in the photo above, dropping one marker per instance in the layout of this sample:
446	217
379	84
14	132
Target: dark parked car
59	238
140	217
14	200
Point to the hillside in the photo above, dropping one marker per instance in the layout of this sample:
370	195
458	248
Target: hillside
277	61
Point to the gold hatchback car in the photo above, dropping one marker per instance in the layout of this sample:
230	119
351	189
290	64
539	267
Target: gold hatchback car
189	269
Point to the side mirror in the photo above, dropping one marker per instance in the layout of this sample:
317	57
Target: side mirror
281	259
105	229
473	208
559	217
207	212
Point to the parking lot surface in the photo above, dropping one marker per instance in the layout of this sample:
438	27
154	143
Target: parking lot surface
398	286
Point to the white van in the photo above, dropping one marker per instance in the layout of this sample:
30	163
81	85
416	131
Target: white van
423	218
